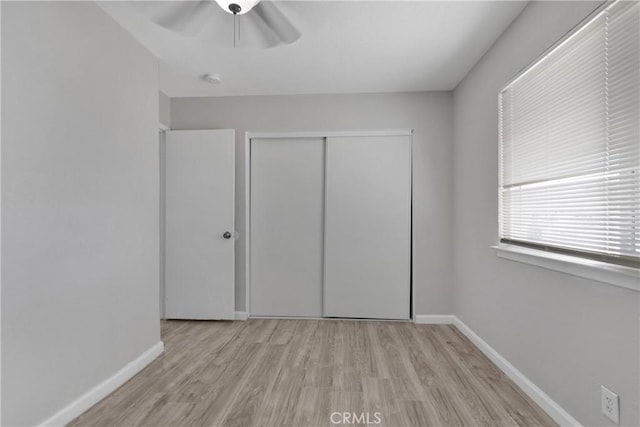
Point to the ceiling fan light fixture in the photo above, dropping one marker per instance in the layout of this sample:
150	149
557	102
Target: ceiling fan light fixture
237	7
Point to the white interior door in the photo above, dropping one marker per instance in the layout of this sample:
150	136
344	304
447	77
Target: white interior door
368	227
287	180
199	203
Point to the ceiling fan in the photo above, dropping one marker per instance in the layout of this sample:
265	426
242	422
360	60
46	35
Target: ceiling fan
253	23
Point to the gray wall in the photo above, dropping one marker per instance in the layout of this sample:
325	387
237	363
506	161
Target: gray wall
428	113
79	204
164	109
568	335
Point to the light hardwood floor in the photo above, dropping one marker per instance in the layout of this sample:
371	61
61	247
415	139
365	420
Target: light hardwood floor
298	372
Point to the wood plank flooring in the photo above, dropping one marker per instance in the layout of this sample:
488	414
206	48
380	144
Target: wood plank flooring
266	372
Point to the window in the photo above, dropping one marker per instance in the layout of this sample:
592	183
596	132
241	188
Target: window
570	144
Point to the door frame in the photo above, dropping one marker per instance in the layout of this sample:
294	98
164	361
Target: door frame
314	134
162	129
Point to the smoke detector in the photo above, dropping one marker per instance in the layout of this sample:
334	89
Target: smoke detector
213	79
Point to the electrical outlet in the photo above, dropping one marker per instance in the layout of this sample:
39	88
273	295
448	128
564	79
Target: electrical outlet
610	404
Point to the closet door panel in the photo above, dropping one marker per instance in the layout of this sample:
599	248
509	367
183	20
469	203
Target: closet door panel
368	227
287	187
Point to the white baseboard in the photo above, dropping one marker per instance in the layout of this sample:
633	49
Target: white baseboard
434	319
547	404
241	315
93	396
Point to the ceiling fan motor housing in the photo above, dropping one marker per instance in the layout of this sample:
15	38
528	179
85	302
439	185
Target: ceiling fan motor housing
237	7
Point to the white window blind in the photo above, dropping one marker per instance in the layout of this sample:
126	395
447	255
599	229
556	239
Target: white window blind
569	143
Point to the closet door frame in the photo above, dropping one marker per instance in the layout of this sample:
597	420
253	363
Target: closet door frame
247	195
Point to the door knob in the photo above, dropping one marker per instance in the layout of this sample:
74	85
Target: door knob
226	235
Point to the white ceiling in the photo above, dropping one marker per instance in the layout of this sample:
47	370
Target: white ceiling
346	47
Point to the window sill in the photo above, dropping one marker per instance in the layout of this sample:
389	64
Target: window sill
617	275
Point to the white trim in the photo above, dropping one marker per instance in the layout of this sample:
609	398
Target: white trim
337	134
611	274
247	222
241	315
412	243
545	402
1	214
163	127
329	319
434	319
97	393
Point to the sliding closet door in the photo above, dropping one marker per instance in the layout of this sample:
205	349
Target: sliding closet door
368	227
287	181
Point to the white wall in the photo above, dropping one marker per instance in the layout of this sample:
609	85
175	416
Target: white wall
568	335
428	113
79	204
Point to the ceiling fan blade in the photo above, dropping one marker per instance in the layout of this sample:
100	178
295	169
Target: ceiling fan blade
185	17
274	20
263	26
